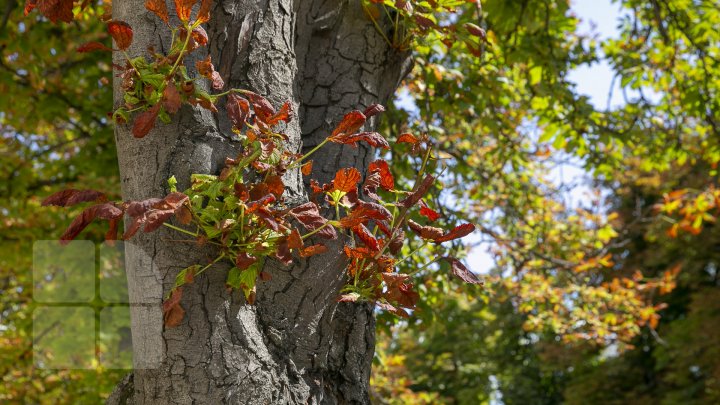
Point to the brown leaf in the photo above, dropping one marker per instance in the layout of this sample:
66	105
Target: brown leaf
200	36
295	240
145	121
171	98
67	198
93	46
111	234
397	242
184	8
173	312
426	232
184	215
244	260
350	124
372	182
387	181
121	33
461	271
283	252
309	215
346	179
237	110
390	308
159	8
275	185
373	109
457	232
107	211
263	109
206	69
372	138
419	192
54	10
29	6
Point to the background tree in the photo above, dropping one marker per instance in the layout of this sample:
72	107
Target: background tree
502	107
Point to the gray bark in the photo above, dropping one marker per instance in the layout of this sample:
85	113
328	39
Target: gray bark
296	344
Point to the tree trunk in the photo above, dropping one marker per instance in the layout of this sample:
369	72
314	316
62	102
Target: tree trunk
296	344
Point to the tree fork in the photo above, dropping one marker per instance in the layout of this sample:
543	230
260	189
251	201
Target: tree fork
296	344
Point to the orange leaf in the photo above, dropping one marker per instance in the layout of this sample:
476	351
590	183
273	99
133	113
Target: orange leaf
159	8
184	8
306	168
386	178
204	13
346	179
407	138
313	250
121	33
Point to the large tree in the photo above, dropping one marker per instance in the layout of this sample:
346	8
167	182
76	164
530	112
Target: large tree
296	344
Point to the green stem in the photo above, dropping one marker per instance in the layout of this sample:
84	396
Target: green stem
185	231
307	235
217	259
182	50
305	156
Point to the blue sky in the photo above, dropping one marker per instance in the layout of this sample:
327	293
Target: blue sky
600	17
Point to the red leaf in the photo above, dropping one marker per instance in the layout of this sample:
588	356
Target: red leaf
93	46
366	237
475	30
372	138
244	260
373	109
428	212
237	110
387	181
145	121
419	192
184	8
204	13
461	271
159	8
309	215
346	179
283	252
253	206
111	234
267	217
173	313
121	33
67	198
171	98
350	124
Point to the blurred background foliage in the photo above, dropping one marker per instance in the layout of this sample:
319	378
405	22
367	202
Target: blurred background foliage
601	288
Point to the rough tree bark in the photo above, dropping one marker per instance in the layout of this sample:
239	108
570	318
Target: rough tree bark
296	344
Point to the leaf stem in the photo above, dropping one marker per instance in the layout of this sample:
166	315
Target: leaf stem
185	231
